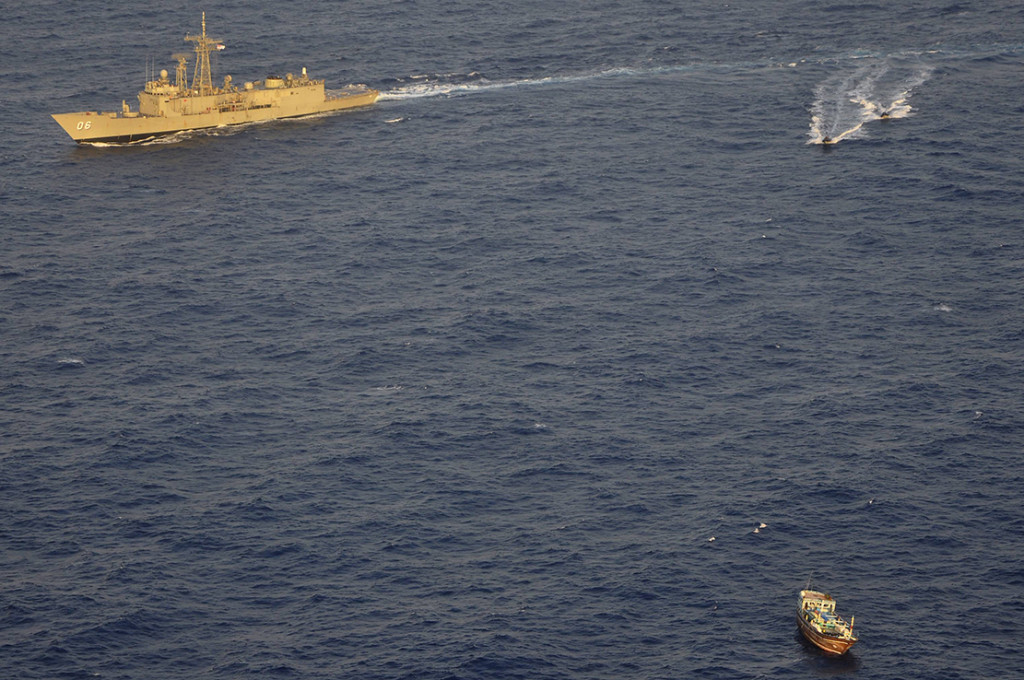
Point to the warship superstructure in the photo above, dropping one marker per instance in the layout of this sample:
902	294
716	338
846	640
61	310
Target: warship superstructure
167	107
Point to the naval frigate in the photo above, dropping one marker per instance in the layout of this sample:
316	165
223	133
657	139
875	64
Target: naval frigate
166	107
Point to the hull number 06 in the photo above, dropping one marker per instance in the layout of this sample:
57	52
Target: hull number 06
84	124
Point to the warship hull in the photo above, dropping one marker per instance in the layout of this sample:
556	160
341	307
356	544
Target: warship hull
168	107
88	127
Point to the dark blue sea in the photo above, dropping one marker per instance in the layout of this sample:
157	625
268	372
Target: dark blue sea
576	356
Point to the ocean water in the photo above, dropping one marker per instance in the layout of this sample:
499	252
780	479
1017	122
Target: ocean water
575	356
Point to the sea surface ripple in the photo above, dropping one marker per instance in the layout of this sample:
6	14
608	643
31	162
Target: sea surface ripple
576	356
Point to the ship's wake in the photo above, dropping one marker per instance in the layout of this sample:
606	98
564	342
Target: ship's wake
450	85
843	103
220	131
173	138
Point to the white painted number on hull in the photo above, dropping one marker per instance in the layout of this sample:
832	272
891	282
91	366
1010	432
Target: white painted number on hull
84	125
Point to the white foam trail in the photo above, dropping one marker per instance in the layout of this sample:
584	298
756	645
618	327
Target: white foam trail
219	131
818	133
442	89
843	104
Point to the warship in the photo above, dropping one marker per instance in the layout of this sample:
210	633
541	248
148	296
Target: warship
166	107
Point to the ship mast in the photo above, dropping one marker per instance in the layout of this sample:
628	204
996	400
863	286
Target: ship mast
202	78
180	73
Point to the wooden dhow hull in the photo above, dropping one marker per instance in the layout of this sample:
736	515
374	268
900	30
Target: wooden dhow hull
93	127
826	643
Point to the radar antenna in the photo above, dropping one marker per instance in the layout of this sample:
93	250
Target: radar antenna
202	78
180	73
